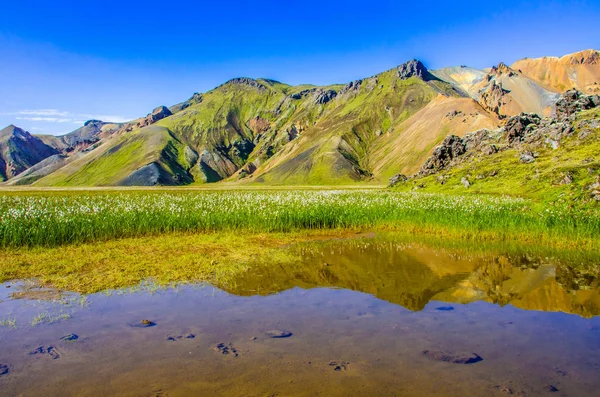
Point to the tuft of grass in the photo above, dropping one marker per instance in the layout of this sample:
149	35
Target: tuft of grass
48	318
8	322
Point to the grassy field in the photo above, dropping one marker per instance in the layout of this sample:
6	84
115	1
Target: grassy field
54	218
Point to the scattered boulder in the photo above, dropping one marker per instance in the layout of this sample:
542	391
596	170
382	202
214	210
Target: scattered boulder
441	179
567	179
526	157
465	182
396	179
453	114
450	357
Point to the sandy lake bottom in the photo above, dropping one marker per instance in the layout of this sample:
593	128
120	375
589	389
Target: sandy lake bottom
363	317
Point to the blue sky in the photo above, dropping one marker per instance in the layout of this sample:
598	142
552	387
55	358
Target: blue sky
62	63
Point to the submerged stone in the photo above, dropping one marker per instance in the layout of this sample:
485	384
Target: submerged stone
69	338
179	337
445	308
43	350
276	333
3	369
224	349
339	365
144	324
451	357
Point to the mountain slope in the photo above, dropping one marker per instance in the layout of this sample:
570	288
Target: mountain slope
580	70
145	157
263	131
551	159
19	150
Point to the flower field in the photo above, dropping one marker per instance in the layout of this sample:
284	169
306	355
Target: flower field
51	219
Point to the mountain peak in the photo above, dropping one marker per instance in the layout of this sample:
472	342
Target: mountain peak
246	81
14	131
413	68
92	122
502	69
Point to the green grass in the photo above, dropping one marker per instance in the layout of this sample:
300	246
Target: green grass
54	219
8	322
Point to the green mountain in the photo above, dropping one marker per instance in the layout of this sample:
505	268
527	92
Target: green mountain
265	132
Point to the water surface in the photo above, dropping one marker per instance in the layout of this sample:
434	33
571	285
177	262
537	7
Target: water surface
361	314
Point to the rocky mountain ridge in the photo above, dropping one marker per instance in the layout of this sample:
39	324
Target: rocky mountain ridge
524	143
263	131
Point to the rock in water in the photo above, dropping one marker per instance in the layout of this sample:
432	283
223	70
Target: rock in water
276	333
451	357
69	338
226	349
339	365
43	350
143	324
3	369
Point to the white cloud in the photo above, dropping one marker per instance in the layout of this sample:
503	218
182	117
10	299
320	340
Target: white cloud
59	116
41	112
49	119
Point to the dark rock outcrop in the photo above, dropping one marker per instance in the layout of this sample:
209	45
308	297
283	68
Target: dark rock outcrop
396	179
523	132
517	126
157	114
452	147
414	68
574	101
353	86
321	96
247	82
492	95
